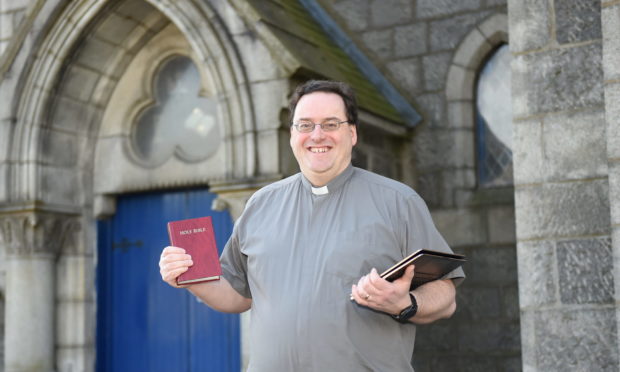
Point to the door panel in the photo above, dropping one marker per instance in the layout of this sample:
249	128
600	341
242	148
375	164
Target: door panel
143	324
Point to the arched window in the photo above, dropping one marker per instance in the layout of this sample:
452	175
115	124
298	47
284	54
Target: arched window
180	121
494	121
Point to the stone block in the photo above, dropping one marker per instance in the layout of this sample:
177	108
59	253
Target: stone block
470	363
263	66
495	29
445	34
434	8
435	337
59	185
410	40
4	187
13	5
59	148
614	192
576	339
232	20
574	145
453	182
489	337
528	340
390	12
563	209
3	45
460	83
561	79
491	265
428	185
6	134
79	83
435	70
475	303
75	278
103	90
530	25
458	146
6	26
460	227
72	323
615	239
585	268
433	106
269	101
97	54
612	116
379	43
611	40
75	358
472	50
408	72
71	115
461	114
354	13
510	302
527	151
134	9
267	152
114	28
537	278
577	20
426	152
501	222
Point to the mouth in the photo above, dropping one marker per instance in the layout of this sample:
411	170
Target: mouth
319	150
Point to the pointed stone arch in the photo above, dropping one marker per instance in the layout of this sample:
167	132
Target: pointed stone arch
63	83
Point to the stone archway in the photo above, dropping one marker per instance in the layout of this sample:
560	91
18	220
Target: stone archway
60	100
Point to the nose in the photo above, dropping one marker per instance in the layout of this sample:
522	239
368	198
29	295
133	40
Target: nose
317	133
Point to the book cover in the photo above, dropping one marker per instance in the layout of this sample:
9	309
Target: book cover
197	237
429	265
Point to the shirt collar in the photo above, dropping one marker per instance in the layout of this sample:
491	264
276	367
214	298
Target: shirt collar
332	185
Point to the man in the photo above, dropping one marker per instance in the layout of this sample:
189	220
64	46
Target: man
304	252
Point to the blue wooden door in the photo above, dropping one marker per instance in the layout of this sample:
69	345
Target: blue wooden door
144	325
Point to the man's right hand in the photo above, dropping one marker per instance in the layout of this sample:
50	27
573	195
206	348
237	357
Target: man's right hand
172	263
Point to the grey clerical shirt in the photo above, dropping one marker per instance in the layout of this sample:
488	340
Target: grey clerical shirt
296	251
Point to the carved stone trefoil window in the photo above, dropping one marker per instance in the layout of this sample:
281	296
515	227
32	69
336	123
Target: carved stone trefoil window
180	120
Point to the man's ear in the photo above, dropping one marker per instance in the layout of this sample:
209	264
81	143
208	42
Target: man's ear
353	129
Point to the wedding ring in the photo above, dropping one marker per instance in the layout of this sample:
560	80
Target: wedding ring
367	297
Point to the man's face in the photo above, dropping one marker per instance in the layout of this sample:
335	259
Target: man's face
322	155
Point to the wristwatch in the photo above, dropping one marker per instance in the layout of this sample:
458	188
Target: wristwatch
408	312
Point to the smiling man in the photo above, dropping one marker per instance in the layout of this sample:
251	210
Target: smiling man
304	255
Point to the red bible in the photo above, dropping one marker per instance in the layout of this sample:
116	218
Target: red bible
197	237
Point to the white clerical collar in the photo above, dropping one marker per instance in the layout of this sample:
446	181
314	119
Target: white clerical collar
320	190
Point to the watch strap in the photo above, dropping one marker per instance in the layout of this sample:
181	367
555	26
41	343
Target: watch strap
408	312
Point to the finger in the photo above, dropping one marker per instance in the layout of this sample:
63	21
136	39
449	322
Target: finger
171	276
171	266
407	277
375	281
176	257
171	249
359	293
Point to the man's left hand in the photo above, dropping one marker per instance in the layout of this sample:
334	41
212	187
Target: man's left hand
379	294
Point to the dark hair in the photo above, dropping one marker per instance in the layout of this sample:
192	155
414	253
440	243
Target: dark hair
344	90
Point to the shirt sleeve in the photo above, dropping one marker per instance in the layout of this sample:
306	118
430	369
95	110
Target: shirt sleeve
235	265
421	233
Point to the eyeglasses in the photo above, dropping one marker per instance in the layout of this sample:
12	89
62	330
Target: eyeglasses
327	126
